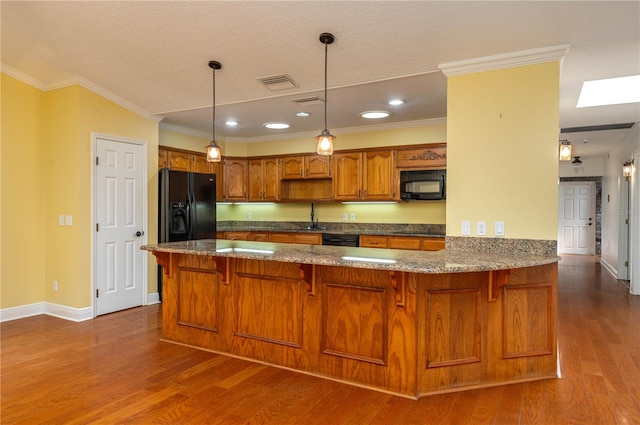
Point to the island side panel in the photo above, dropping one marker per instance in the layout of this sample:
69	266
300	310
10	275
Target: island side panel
467	338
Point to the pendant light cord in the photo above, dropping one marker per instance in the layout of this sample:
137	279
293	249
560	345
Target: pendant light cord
213	122
325	85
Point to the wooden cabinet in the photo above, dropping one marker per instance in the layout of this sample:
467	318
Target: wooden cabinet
279	237
347	176
237	236
306	167
282	237
432	156
402	242
163	158
379	176
217	169
260	237
235	179
365	176
264	180
180	161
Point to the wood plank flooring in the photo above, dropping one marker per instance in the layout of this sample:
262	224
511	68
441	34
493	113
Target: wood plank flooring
115	370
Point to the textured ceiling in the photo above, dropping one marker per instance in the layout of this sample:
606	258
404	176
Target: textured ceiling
154	55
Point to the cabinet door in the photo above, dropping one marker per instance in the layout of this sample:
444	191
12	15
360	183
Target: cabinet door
347	176
163	160
235	179
179	161
261	237
317	166
271	179
292	167
216	168
378	176
404	243
199	164
367	241
237	236
255	184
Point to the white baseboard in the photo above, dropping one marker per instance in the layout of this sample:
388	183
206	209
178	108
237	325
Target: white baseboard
153	298
50	309
609	268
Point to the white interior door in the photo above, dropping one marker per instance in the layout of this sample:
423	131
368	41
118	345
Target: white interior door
119	210
576	218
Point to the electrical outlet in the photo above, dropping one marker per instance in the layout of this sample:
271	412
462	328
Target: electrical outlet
344	217
482	228
499	228
353	216
61	220
466	227
68	220
250	216
55	286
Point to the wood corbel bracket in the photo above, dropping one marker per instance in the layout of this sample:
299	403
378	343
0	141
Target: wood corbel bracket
497	280
398	283
164	259
221	265
308	274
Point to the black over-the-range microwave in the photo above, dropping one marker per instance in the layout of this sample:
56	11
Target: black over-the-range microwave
424	185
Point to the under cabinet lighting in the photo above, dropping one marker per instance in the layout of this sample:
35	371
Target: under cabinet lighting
368	202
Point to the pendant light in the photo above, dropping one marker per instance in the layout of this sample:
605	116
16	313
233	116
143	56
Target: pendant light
325	139
213	148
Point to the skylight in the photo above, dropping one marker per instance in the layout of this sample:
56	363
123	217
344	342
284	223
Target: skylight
612	91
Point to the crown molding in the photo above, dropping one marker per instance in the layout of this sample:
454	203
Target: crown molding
184	130
505	60
338	131
83	82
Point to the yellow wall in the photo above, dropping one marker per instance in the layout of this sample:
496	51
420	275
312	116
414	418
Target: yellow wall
47	147
403	212
502	139
22	192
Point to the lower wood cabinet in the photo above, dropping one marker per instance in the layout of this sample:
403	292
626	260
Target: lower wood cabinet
278	237
402	242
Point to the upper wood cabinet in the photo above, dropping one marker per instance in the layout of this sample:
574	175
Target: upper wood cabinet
432	156
347	176
235	179
264	179
364	176
163	158
306	167
180	161
192	161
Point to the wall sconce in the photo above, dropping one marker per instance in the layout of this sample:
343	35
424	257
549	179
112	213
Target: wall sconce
627	168
565	151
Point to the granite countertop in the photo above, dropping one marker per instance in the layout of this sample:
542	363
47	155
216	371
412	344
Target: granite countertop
444	261
418	230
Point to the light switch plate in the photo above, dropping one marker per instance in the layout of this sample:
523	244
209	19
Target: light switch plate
61	220
466	227
499	228
353	216
344	216
68	220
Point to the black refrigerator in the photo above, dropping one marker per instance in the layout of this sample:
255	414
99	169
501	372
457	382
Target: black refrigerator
187	208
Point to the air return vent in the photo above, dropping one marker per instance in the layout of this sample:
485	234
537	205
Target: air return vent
278	82
315	100
598	127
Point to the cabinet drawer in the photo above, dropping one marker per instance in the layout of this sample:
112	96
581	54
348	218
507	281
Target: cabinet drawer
432	244
309	239
237	236
404	243
282	237
373	241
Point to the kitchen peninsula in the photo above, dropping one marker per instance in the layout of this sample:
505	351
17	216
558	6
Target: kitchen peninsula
410	323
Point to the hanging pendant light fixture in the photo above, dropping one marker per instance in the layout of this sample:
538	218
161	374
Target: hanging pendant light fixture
325	139
213	148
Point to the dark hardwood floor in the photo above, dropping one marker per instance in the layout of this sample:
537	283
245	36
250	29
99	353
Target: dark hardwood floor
115	370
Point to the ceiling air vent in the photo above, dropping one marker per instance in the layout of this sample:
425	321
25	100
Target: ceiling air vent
278	82
315	100
598	127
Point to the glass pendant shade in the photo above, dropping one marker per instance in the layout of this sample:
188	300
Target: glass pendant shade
565	152
213	152
325	143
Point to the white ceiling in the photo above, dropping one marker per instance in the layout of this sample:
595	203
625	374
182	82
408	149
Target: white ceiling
155	54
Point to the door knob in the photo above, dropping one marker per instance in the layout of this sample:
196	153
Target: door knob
139	233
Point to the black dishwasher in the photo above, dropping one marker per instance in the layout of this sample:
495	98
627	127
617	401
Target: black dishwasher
337	239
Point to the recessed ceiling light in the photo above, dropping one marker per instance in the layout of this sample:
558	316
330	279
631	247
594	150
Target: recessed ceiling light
612	91
303	114
396	102
231	123
276	125
373	115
